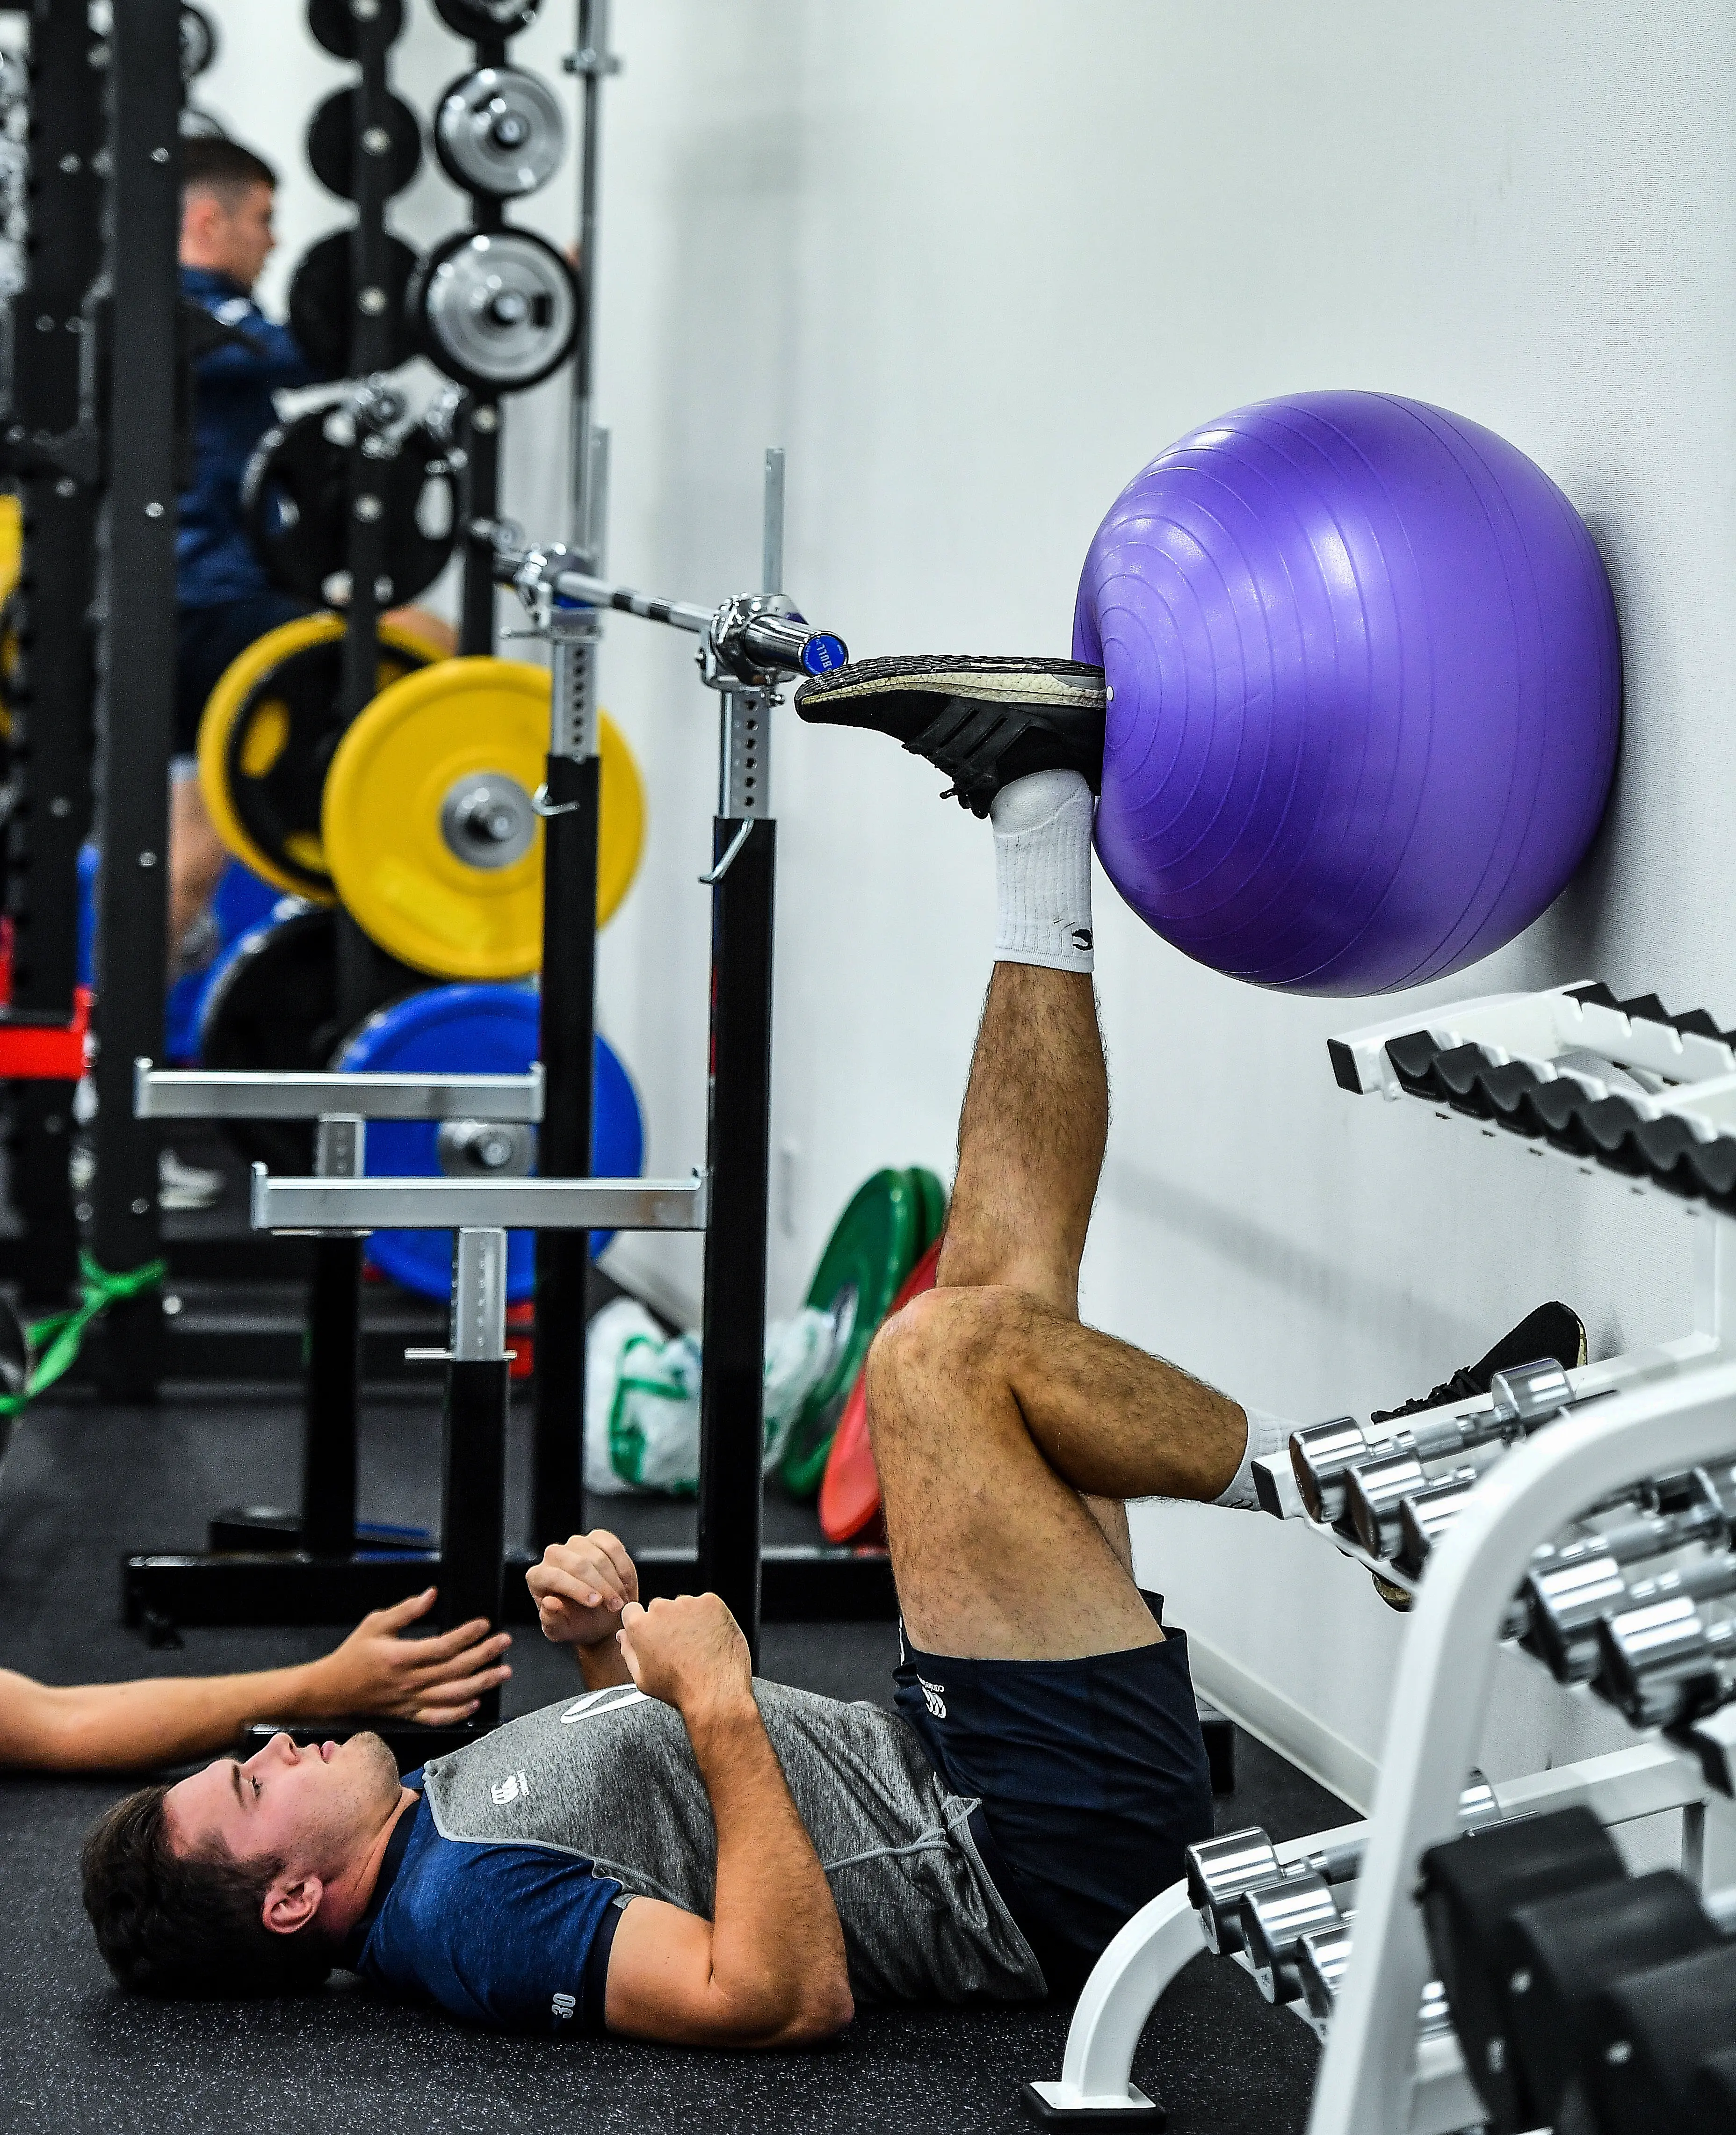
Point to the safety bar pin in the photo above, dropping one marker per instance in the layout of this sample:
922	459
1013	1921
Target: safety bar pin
724	866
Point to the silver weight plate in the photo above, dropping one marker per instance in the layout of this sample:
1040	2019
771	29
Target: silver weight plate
501	309
500	131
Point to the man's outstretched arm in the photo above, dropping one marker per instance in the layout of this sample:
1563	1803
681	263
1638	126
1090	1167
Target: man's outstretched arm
769	1969
162	1720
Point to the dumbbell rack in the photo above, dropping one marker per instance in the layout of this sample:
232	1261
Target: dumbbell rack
1513	1061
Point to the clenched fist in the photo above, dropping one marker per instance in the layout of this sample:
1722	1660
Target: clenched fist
688	1653
581	1587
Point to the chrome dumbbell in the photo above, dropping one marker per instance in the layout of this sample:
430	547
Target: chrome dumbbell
1375	1493
1570	1594
1425	1515
1221	1871
1323	1958
1325	1456
1274	1920
1665	1659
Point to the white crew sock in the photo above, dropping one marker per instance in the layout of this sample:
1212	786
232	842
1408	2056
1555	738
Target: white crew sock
1268	1435
1042	871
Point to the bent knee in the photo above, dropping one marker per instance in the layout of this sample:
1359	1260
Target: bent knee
940	1344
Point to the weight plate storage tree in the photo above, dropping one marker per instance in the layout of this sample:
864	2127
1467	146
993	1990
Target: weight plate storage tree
496	309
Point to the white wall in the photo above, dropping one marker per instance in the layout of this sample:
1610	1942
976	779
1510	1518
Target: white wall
973	264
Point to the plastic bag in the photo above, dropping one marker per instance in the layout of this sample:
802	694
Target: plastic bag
642	1397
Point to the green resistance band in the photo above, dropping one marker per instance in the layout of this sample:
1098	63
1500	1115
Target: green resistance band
55	1341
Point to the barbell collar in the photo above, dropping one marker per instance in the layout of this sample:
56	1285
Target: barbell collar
355	1206
189	1094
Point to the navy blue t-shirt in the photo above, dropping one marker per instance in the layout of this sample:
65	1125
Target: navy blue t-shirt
214	561
512	1936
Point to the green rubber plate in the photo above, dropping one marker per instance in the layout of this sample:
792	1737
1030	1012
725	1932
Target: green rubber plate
931	1207
866	1258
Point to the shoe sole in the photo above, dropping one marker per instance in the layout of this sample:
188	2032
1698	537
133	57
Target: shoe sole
990	681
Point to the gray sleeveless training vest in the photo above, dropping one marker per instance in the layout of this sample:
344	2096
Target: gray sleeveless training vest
611	1775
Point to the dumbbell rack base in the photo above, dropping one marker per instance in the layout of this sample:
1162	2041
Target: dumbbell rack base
801	1584
1096	2087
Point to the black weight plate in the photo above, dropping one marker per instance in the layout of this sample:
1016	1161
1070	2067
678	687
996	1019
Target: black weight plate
272	1005
334	26
295	496
455	309
499	131
277	792
322	312
198	42
332	144
487	19
295	501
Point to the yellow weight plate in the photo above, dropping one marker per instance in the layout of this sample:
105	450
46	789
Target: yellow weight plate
12	545
267	729
621	837
429	829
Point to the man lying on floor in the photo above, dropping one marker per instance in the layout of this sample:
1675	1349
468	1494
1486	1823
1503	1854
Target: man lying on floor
155	1721
683	1853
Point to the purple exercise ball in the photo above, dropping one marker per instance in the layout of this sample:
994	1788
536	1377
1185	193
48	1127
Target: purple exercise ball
1366	691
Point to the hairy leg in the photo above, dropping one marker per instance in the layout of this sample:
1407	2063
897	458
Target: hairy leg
1006	1434
1000	1426
1031	1137
196	857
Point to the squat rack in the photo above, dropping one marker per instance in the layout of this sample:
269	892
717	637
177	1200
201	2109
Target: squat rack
748	645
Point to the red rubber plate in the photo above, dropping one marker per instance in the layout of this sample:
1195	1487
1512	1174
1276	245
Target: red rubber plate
849	1491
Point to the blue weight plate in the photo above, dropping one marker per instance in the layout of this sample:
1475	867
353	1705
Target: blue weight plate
473	1029
240	901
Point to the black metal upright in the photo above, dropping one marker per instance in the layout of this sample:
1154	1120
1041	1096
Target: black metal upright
52	690
573	788
370	350
483	448
333	1388
739	1135
136	691
482	509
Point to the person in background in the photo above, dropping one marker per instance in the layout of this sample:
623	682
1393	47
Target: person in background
166	1720
224	599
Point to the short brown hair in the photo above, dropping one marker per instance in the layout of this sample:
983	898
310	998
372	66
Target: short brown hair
189	1924
213	165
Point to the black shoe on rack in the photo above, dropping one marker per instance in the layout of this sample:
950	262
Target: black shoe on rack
1552	1331
984	722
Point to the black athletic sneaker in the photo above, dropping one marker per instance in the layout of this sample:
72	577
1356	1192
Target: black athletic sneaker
1552	1331
984	722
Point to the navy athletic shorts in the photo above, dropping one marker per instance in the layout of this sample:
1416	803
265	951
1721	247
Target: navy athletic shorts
1092	1778
207	640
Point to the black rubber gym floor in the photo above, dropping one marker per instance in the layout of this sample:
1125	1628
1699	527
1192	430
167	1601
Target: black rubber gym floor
82	1484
